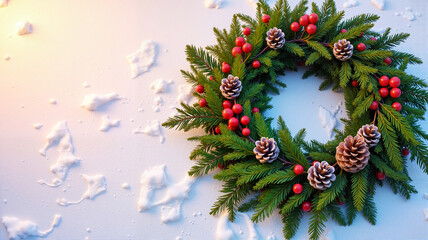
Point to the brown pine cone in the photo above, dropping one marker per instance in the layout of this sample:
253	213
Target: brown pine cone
352	155
343	50
371	134
266	150
275	38
230	87
320	175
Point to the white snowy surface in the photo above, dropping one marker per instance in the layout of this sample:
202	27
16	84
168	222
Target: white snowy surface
379	4
141	60
213	3
77	43
24	27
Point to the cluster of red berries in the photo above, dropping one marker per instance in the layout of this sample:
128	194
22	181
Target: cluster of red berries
308	23
386	83
233	122
200	89
241	46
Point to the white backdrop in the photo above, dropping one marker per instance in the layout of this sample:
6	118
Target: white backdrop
87	41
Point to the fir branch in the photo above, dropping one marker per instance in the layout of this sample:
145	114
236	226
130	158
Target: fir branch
383	166
294	49
232	196
345	74
330	195
369	210
277	177
201	59
296	200
317	224
256	172
263	130
313	57
191	117
390	141
362	107
336	214
269	200
214	101
323	156
351	213
238	67
208	162
359	188
400	123
373	55
290	149
291	222
249	205
319	48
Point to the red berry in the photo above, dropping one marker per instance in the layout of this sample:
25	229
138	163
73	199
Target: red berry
384	81
343	31
217	130
373	39
300	63
237	108
295	27
247	48
212	78
256	64
304	20
380	175
362	34
233	122
223	63
388	61
246	31
313	18
298	169
383	92
374	105
396	106
227	104
405	152
225	68
200	89
313	163
232	128
266	18
311	29
361	47
297	188
236	51
245	120
203	102
394	82
254	110
227	113
339	201
395	93
306	206
239	41
221	166
246	132
355	83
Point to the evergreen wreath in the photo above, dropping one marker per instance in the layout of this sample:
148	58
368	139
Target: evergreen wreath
278	171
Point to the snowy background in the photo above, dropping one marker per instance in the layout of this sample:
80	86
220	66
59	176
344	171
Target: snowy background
78	48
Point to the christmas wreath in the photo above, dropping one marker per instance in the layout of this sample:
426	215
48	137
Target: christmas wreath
266	169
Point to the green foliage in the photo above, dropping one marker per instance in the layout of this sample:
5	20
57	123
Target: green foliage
243	175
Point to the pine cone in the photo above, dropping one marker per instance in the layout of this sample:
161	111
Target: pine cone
371	135
275	38
352	155
230	87
343	50
320	175
266	150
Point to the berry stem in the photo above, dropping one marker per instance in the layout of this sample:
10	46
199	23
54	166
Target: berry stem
285	162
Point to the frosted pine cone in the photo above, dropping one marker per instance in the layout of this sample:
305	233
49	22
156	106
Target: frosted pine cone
343	50
352	155
320	175
266	150
371	135
275	38
230	87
